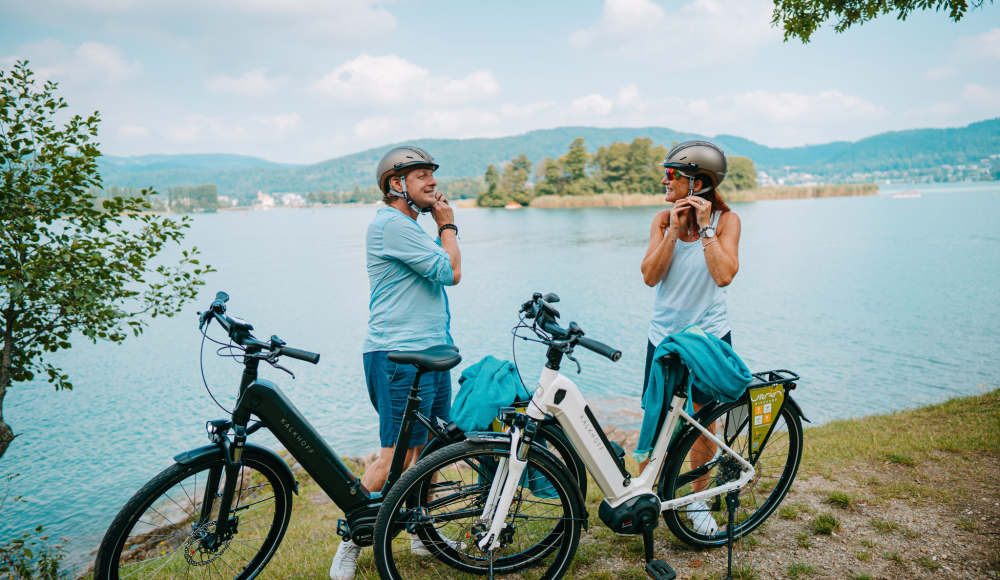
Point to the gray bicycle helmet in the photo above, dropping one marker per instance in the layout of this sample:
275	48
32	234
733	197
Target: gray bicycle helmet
696	159
400	161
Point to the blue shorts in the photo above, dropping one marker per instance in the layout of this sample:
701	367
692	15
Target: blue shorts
389	386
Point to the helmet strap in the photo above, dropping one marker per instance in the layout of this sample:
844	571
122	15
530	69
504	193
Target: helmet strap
405	195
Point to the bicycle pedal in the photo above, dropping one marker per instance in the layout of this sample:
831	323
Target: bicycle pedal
660	570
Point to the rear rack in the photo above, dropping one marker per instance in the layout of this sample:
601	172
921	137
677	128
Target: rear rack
776	377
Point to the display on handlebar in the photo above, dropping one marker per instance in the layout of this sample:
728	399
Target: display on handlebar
539	309
239	331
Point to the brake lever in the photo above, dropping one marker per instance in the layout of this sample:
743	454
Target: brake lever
569	355
274	363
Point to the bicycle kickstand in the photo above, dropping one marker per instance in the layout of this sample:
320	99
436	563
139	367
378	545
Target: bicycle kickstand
732	502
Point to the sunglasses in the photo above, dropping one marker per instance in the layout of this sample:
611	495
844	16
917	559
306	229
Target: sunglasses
673	174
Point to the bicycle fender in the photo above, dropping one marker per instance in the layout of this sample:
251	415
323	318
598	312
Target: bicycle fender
795	406
497	437
209	450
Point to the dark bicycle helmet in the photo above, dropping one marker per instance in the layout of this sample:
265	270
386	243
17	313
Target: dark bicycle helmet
697	159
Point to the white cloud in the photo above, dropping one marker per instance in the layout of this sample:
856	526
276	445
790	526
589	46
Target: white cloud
253	83
969	52
91	61
279	125
374	127
386	80
982	97
132	132
459	123
701	34
594	103
104	61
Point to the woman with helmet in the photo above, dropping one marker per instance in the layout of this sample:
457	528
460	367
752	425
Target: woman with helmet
693	255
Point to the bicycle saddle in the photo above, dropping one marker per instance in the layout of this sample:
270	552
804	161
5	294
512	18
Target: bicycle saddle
438	358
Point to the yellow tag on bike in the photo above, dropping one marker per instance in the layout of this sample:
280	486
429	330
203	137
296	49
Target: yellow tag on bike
765	403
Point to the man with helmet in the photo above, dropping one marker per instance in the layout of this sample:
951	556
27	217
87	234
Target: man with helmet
693	255
407	273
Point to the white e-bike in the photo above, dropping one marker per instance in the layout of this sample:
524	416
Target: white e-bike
503	505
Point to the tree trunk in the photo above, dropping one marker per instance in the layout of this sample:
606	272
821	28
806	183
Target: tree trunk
6	362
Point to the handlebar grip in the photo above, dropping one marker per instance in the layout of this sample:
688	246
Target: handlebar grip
309	357
600	348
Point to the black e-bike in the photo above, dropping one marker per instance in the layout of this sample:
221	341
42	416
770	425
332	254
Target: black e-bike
222	510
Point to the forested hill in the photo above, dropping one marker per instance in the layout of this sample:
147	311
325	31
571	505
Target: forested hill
241	175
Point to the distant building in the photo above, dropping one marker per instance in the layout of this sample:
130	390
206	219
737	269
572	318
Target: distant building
292	199
264	201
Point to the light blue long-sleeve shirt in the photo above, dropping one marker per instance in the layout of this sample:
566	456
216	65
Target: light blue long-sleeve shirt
407	272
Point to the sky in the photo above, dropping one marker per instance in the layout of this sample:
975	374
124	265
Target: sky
302	81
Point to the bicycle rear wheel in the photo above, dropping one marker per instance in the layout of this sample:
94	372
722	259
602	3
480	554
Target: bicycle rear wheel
441	499
689	466
165	532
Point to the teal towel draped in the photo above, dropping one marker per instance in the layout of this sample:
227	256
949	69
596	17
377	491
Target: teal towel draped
715	369
485	387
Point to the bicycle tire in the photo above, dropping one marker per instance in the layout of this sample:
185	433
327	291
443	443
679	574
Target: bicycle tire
164	515
546	533
776	467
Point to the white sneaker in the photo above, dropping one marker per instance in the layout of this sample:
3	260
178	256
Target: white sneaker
417	546
701	519
345	563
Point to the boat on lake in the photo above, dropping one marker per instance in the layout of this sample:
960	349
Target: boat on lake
512	205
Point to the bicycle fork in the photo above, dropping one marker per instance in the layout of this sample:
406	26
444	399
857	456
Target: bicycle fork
510	469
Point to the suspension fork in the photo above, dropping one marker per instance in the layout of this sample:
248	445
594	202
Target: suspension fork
509	471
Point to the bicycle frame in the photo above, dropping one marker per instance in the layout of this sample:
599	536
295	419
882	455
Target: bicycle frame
557	395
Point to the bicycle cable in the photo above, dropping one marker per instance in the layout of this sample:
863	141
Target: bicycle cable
201	364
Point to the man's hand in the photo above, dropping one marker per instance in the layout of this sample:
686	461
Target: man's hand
441	211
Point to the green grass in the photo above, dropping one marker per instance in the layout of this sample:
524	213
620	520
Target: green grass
884	526
908	533
901	459
746	571
803	540
798	570
863	555
825	523
841	499
963	425
787	512
859	576
928	564
894	557
967	524
868	543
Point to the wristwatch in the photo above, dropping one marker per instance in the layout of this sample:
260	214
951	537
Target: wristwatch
707	231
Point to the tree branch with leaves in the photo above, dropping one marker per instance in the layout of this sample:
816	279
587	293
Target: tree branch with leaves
801	18
70	267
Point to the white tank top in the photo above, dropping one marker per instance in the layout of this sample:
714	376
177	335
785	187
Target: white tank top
688	295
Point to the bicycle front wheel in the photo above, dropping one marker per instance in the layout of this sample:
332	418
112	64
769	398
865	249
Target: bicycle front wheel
167	529
429	522
695	464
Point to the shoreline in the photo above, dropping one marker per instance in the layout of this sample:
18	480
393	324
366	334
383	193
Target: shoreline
757	194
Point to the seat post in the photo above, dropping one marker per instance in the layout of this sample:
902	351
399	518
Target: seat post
405	432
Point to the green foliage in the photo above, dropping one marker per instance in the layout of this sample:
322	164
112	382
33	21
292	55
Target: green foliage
803	540
67	266
906	459
801	18
511	185
29	556
798	570
884	526
825	523
462	188
629	168
841	499
493	195
740	175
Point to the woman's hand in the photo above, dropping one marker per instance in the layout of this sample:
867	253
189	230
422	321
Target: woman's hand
702	207
673	229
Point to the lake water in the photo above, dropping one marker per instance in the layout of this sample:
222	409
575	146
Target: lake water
879	303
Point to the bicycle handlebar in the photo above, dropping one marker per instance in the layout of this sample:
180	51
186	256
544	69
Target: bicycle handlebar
600	348
309	357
